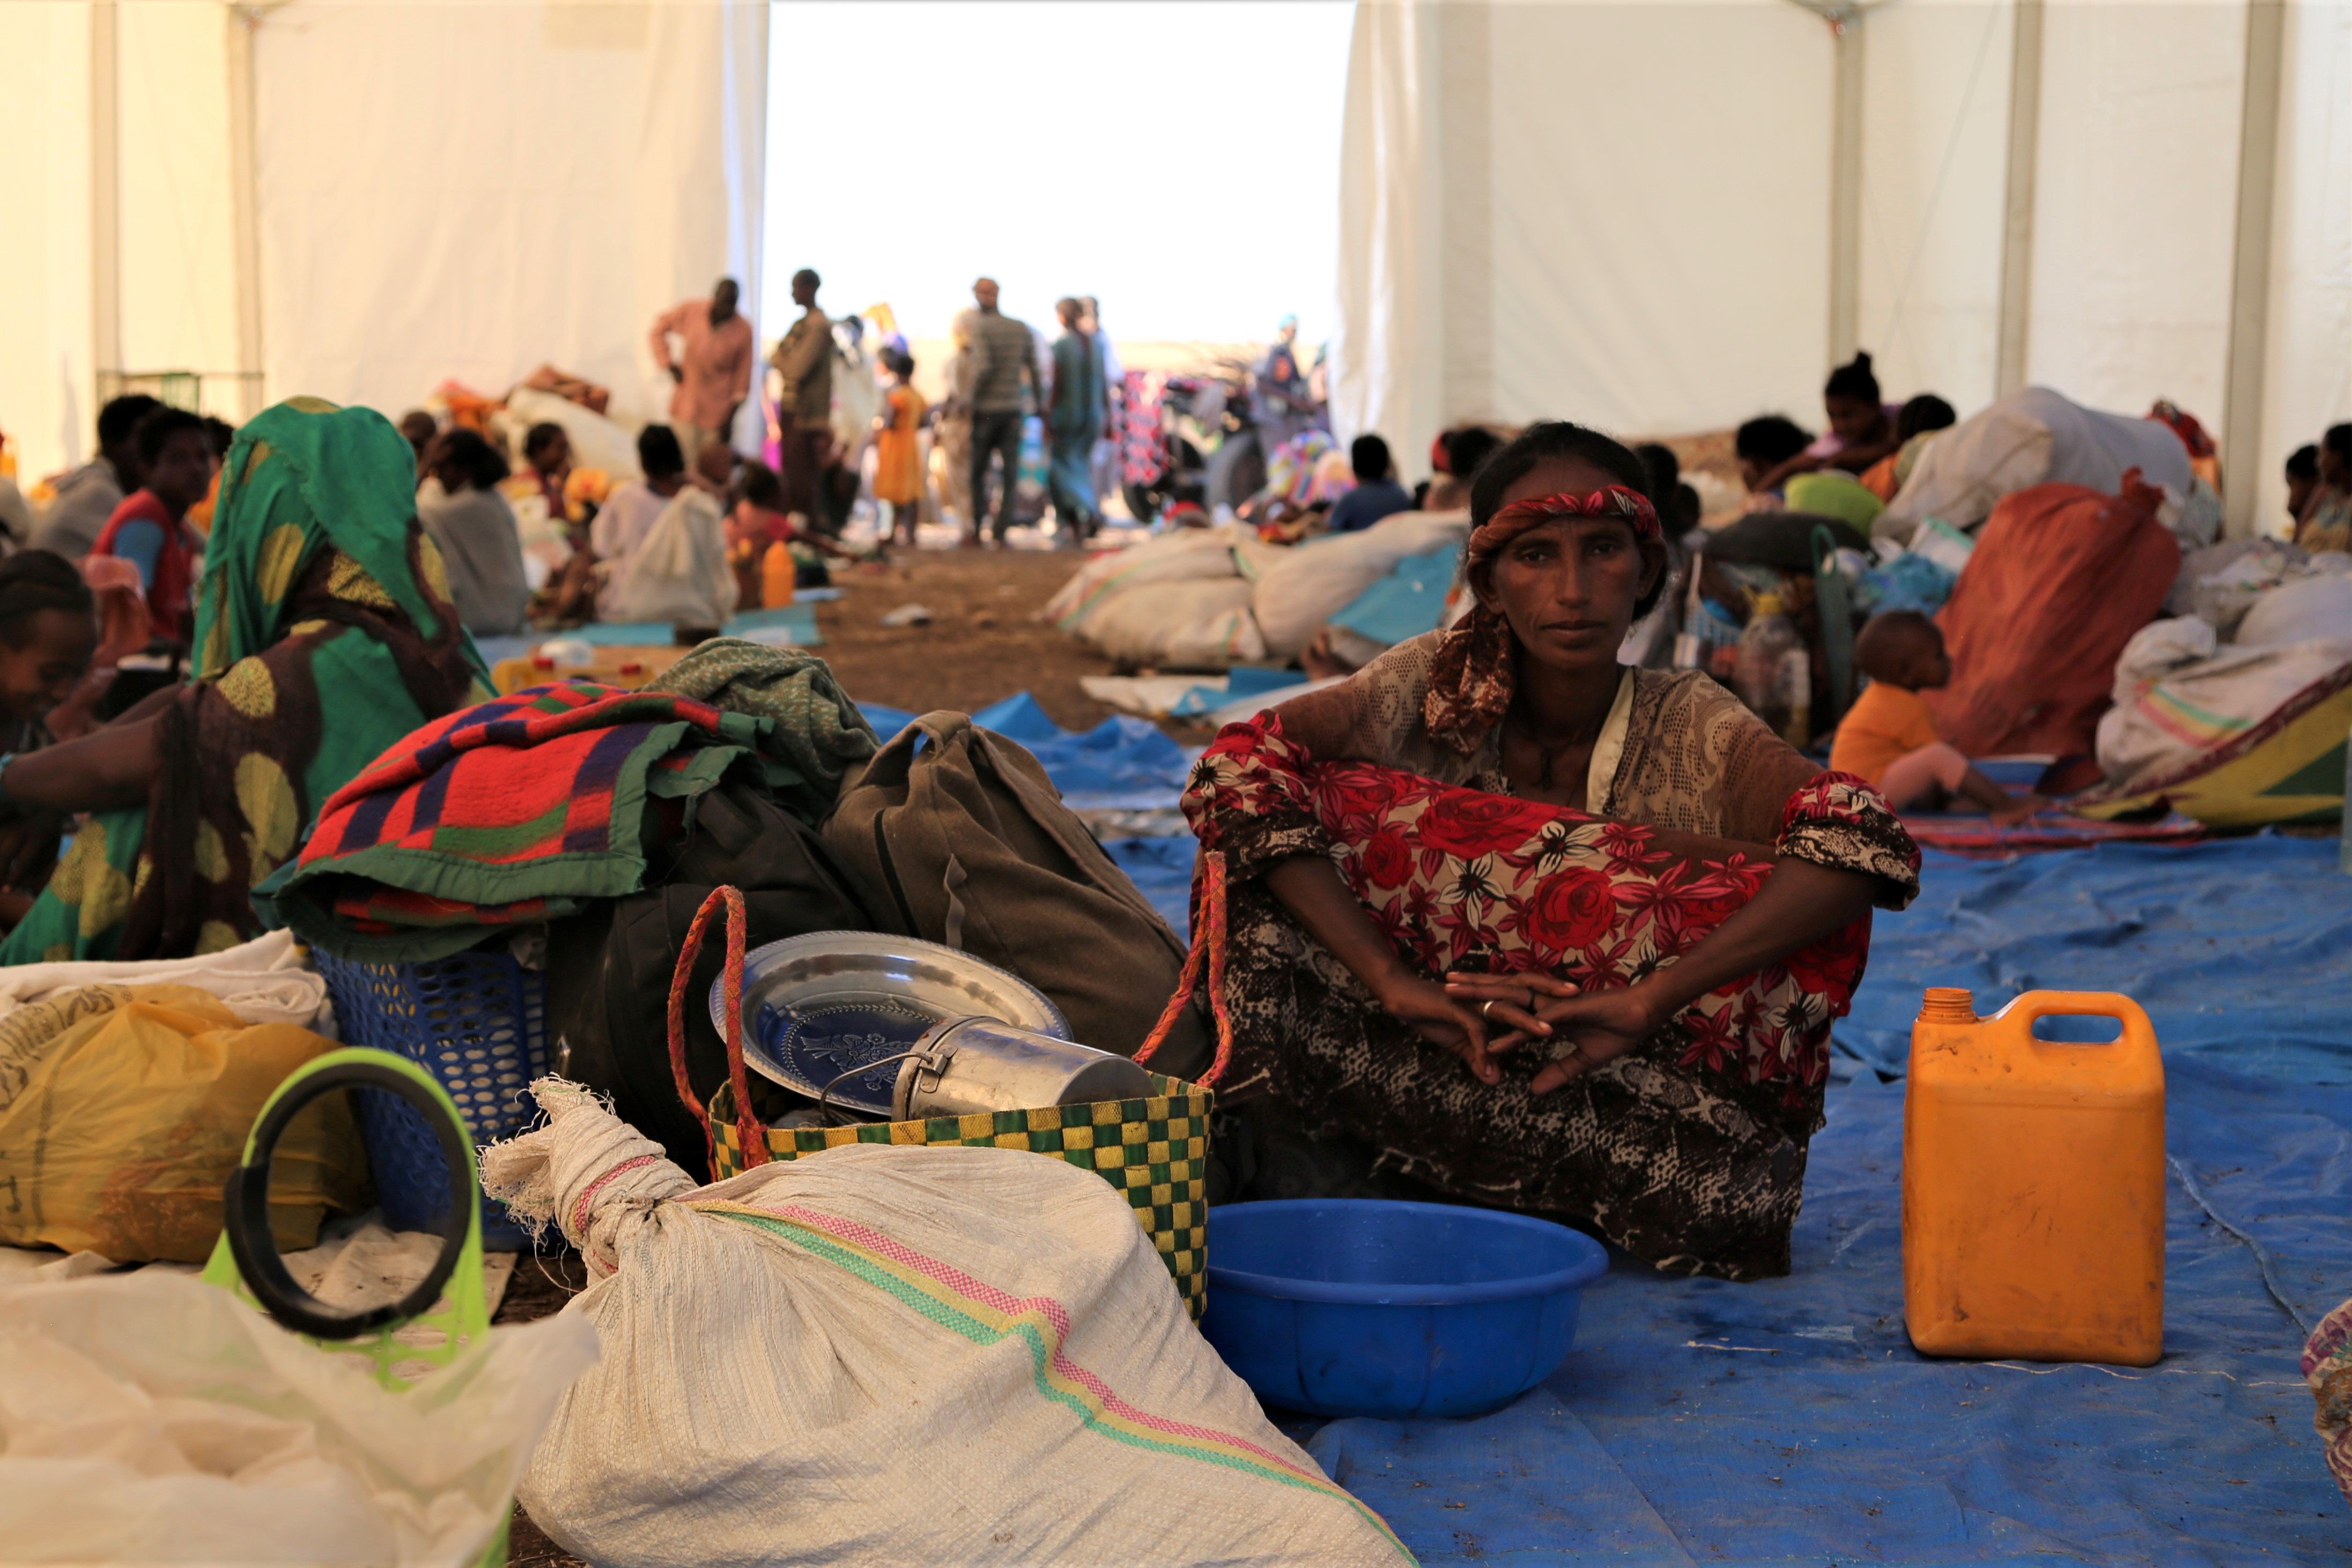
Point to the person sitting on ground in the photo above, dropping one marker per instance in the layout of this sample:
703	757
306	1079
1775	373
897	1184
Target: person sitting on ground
220	436
630	511
1888	737
679	572
47	635
150	529
474	528
2302	479
1862	426
419	428
1922	416
758	520
547	459
323	634
2326	521
1764	446
87	497
1494	837
1377	494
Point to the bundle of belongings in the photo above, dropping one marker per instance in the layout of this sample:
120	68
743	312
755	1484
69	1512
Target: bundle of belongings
2036	437
127	1090
1208	599
2234	710
892	1354
604	818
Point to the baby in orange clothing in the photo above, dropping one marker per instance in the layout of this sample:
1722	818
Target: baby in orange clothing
1888	737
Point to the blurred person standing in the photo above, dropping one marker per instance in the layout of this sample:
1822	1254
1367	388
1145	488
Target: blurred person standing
1074	423
1005	360
712	367
803	358
1107	464
899	448
1284	408
951	428
87	497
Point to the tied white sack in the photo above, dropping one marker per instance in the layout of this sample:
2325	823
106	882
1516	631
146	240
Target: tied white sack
1181	555
2179	690
2030	437
1323	576
892	1354
150	1418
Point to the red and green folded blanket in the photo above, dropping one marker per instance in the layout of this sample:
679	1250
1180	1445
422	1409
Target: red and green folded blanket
507	814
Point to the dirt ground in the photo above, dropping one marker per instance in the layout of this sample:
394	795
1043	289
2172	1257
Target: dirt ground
982	644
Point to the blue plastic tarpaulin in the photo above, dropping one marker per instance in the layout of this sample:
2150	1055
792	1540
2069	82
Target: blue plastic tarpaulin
1789	1421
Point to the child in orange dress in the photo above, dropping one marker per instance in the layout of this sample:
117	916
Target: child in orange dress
1888	737
897	455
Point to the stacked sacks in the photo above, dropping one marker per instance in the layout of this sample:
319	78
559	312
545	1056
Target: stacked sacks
2061	577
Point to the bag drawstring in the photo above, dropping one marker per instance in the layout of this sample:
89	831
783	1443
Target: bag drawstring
747	1128
1209	946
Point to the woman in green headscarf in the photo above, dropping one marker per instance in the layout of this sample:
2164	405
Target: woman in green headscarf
324	632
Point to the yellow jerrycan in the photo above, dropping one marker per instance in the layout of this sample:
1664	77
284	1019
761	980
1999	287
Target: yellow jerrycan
2034	1183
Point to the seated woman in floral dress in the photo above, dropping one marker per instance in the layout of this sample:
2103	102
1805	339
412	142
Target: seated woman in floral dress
1614	896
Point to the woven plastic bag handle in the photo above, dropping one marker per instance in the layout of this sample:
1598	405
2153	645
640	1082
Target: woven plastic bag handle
748	1127
1209	947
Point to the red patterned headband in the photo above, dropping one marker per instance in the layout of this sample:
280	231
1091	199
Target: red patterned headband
1619	501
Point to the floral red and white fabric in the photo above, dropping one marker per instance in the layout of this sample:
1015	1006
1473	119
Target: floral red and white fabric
1688	1149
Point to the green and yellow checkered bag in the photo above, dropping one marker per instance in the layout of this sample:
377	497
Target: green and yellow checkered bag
1155	1149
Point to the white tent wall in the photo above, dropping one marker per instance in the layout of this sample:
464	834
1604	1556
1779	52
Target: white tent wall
2308	383
178	300
2135	218
1574	209
46	341
469	190
1635	233
1934	184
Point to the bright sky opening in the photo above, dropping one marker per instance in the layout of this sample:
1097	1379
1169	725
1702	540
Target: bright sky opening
1178	159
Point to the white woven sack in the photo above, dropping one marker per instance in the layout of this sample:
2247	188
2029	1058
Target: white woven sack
1323	576
2175	667
153	1418
1180	555
893	1354
1202	624
2032	436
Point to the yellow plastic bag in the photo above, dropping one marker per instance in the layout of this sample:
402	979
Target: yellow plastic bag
117	1131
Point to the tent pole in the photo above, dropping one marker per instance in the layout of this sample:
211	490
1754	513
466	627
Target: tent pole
105	202
1845	187
2017	217
245	217
2250	279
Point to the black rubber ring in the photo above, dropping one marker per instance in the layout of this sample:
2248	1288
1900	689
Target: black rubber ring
245	1208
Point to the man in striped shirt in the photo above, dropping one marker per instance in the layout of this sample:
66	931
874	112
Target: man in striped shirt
1006	354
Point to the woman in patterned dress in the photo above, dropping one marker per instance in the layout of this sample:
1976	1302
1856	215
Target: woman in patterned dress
1531	929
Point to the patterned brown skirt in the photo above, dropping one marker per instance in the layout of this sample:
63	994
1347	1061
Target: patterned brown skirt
1688	1151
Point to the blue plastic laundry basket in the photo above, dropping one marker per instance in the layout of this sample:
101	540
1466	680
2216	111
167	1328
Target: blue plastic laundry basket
476	1022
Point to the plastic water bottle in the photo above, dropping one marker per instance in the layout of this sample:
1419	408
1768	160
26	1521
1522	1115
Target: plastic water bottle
1767	639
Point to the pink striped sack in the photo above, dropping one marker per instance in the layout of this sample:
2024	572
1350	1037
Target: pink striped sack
893	1353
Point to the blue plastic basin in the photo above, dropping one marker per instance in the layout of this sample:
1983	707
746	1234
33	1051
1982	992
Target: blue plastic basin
1365	1307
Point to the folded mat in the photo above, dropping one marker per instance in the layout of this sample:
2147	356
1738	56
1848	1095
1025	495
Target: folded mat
513	812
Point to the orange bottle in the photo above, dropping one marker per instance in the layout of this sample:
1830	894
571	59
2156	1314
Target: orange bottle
2034	1183
776	575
